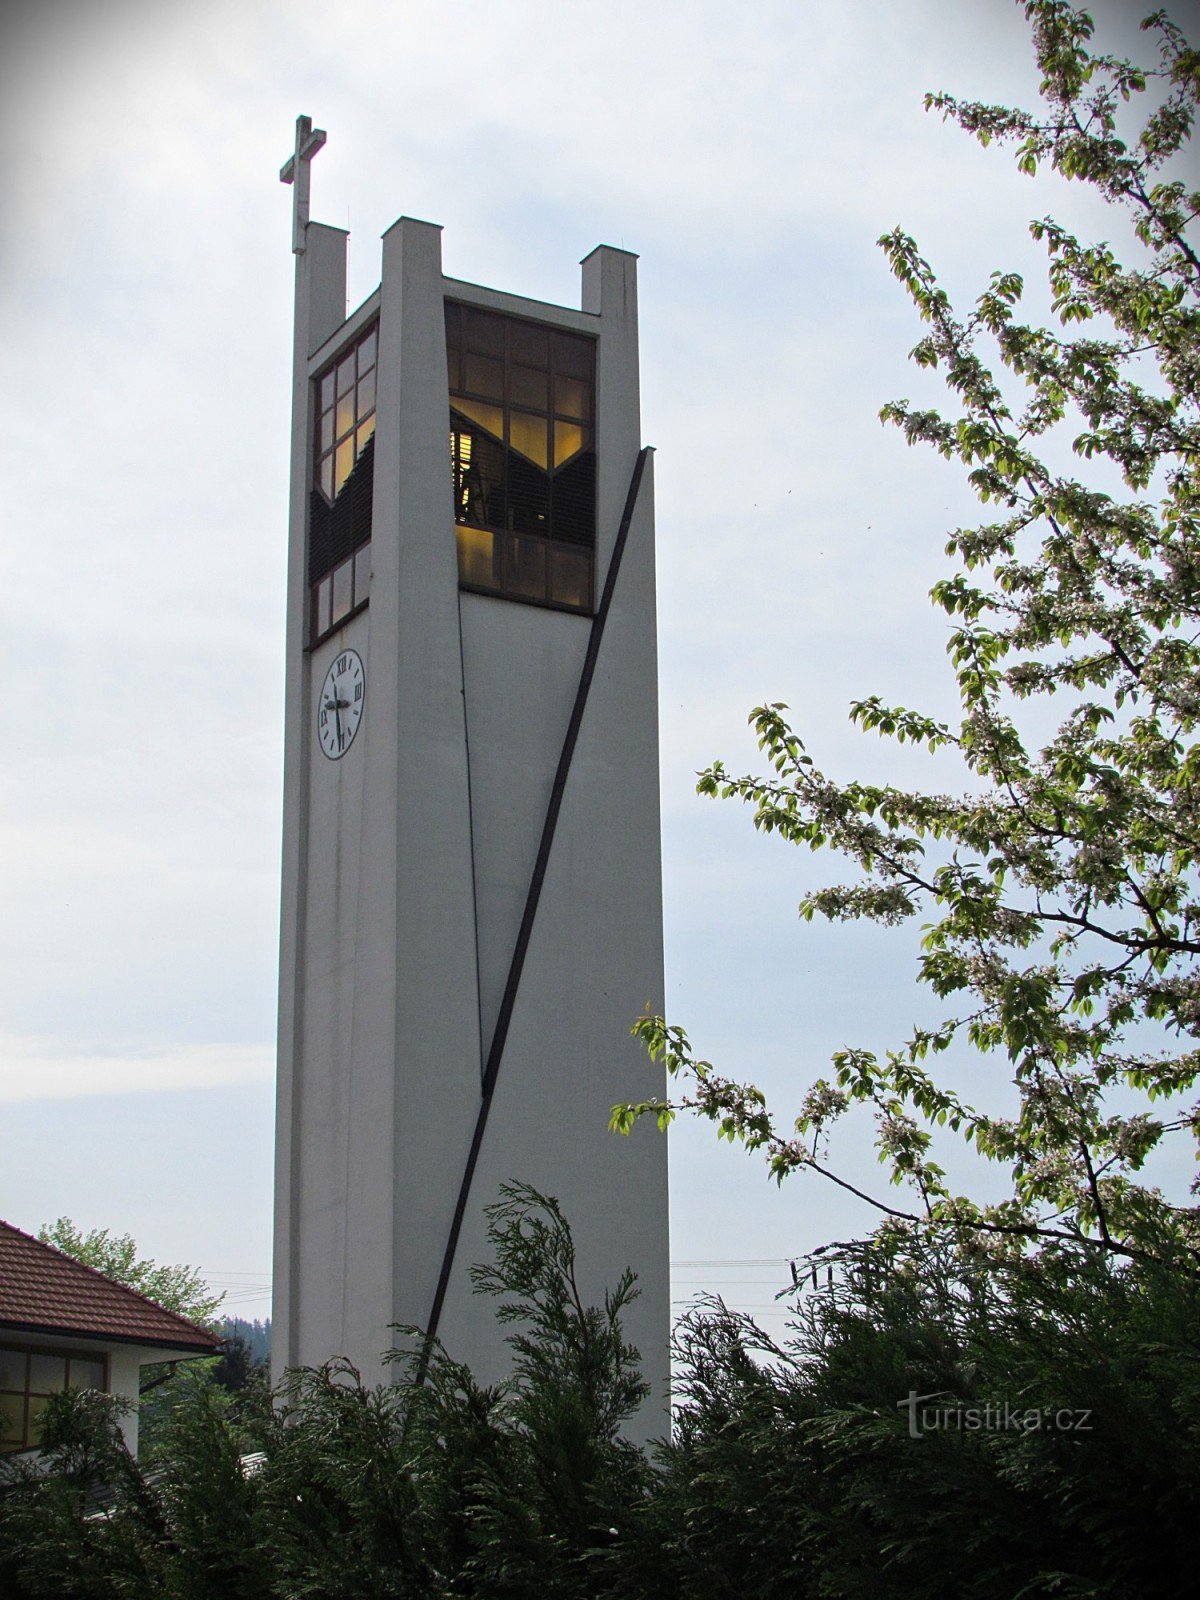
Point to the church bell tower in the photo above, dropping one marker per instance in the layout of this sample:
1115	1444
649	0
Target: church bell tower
472	897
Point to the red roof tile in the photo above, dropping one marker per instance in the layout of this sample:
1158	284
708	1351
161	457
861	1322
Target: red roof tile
44	1290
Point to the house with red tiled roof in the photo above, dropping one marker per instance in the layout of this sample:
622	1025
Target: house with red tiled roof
64	1325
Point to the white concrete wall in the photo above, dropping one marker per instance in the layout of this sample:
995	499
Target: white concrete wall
595	956
406	867
124	1379
521	666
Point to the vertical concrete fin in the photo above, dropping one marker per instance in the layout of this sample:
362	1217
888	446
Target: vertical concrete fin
325	249
609	291
427	951
320	307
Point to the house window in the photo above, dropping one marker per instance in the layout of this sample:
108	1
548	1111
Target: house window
27	1380
522	457
339	522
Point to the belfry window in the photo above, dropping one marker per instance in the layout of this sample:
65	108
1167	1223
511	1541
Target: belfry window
522	457
339	523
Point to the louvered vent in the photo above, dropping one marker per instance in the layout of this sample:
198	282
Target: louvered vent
334	531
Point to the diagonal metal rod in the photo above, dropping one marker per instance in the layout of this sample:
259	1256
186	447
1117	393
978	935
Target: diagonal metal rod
500	1034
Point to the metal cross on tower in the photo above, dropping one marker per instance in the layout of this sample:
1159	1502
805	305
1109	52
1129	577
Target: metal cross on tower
296	170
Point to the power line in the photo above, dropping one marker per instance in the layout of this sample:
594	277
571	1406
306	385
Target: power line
214	1273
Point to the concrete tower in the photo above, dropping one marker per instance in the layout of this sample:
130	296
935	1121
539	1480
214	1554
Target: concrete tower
472	905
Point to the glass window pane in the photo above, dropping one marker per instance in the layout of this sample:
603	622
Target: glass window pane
326	436
529	387
483	376
526	574
489	417
345	414
12	1421
476	556
327	477
37	1404
12	1369
364	434
573	355
343	464
343	590
571	576
569	440
573	396
324	595
366	352
327	391
362	574
530	344
86	1374
345	374
47	1373
366	394
483	332
528	435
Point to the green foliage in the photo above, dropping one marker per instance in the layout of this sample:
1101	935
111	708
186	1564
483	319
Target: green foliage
253	1337
1056	1452
429	1486
1058	895
82	1522
565	1484
235	1369
179	1289
562	1346
1063	1425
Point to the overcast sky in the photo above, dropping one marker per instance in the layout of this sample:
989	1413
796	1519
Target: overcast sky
751	156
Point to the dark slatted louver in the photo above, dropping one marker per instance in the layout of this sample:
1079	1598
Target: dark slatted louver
335	530
575	499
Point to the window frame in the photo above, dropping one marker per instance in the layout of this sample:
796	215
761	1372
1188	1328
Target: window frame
359	431
361	420
358	567
66	1354
518	365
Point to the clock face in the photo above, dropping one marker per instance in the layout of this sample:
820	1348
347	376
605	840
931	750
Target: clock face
340	706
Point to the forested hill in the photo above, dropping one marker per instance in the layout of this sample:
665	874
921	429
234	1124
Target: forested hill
256	1336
